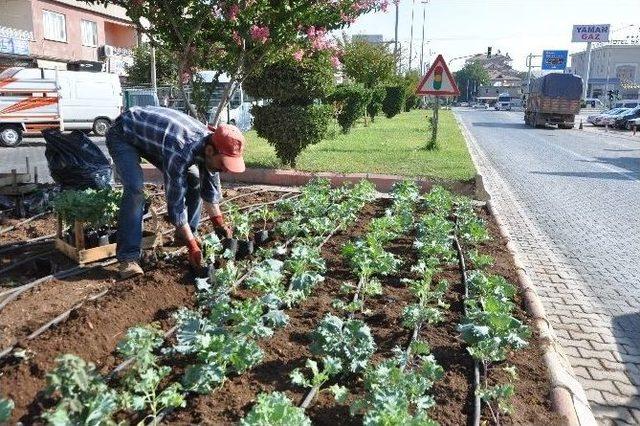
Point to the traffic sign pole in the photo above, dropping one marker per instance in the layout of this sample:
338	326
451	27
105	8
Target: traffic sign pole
437	82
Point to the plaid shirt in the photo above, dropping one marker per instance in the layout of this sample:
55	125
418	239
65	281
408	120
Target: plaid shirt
172	141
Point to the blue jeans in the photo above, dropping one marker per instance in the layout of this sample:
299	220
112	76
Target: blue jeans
126	159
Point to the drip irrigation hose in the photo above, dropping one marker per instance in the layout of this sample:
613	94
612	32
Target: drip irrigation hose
477	404
24	222
14	293
23	261
23	244
57	320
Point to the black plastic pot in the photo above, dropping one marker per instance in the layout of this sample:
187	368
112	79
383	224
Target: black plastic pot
70	238
261	237
245	249
103	239
230	244
113	236
205	271
90	239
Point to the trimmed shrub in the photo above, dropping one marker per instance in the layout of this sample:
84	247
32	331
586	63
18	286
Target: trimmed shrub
350	101
291	128
411	102
293	120
394	101
375	105
291	82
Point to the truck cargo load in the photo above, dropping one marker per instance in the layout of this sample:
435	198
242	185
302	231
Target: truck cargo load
553	99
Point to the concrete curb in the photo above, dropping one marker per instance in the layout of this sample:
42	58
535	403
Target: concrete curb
277	177
567	394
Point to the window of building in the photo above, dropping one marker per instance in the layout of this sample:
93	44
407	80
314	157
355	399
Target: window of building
55	27
89	33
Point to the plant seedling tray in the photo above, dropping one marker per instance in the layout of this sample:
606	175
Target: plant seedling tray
84	255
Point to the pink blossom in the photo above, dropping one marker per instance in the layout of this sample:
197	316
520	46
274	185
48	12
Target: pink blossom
259	34
298	55
236	37
234	10
335	61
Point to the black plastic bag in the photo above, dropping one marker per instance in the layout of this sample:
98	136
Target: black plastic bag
75	162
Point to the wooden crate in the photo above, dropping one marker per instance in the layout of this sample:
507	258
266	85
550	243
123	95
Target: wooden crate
150	238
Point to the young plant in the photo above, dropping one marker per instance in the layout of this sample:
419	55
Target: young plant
264	214
395	395
349	341
330	368
498	398
143	379
240	223
267	276
417	313
84	398
211	246
275	409
6	408
480	261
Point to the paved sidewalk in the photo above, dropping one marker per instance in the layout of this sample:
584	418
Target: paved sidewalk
596	322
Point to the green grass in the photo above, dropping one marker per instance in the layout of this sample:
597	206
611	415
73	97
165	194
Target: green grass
388	146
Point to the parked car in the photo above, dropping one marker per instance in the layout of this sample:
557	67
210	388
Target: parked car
622	121
626	103
635	122
601	119
593	103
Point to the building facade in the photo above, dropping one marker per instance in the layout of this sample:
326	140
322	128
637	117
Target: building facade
613	67
52	34
499	68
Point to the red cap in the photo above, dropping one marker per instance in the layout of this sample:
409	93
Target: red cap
229	142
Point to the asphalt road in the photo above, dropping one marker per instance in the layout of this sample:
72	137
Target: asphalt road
33	147
574	209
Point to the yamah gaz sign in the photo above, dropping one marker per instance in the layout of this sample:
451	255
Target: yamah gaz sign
588	33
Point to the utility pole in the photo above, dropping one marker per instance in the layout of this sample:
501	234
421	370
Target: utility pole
424	20
413	7
154	84
395	48
585	88
530	65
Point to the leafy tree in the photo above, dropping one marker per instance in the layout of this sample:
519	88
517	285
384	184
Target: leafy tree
473	73
411	80
350	102
370	64
394	100
238	36
292	120
140	71
375	106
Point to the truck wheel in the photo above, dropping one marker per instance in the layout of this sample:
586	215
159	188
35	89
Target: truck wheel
10	136
100	126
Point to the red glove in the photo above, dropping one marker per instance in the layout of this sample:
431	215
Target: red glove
195	254
221	226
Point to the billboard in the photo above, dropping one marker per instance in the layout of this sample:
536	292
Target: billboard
589	33
554	59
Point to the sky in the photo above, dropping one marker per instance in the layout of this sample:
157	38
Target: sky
519	27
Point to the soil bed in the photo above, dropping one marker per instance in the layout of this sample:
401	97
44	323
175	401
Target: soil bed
93	331
38	306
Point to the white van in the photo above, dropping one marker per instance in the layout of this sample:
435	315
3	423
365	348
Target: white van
32	99
238	110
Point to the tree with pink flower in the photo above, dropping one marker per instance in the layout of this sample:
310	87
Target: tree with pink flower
237	36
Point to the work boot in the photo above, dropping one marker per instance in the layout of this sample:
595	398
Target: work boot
129	268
